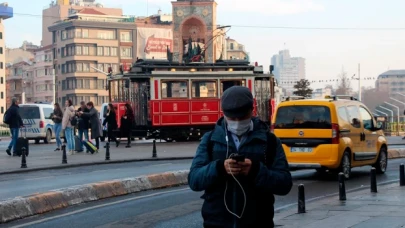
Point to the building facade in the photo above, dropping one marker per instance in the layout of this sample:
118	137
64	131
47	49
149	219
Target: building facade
6	12
288	70
236	50
19	81
61	9
91	40
392	82
42	86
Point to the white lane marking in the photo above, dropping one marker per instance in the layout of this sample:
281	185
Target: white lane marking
99	206
164	164
39	178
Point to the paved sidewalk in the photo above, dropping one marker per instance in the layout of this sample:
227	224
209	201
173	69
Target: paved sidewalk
362	209
42	156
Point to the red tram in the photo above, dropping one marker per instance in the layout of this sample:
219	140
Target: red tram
175	101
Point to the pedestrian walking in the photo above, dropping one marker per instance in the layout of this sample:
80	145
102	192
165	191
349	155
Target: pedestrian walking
57	117
13	119
111	120
127	122
96	130
68	125
84	125
241	166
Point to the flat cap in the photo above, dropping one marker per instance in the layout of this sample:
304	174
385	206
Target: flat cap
237	102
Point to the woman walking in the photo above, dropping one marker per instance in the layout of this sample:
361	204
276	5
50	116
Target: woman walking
96	131
57	117
68	115
127	122
111	120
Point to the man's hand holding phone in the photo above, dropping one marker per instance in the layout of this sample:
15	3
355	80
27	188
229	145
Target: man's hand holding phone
238	165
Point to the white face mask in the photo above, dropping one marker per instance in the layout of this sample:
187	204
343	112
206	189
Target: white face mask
238	127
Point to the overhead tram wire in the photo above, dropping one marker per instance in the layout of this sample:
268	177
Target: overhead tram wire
262	26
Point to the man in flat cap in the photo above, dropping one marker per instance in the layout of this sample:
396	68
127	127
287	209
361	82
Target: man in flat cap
240	165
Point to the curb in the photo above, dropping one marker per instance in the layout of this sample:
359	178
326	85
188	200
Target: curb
396	153
21	207
64	166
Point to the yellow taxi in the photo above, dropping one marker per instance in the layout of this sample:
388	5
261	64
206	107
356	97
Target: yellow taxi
336	133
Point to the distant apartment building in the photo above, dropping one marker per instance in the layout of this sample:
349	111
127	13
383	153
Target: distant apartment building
19	81
42	75
61	9
288	70
15	55
6	12
90	39
392	82
29	46
235	50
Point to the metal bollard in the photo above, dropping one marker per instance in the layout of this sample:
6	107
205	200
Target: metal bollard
23	158
301	199
107	151
342	187
154	154
373	180
402	175
64	158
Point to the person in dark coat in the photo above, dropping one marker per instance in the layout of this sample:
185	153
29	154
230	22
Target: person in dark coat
96	130
127	122
240	192
84	124
111	120
14	121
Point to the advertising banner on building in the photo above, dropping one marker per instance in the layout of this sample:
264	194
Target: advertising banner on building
153	43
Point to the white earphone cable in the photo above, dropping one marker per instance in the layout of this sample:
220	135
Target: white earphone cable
226	185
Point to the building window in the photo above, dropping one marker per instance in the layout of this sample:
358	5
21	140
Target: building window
1	65
1	35
1	80
114	51
231	46
126	52
64	35
85	33
1	50
174	89
78	50
100	51
2	95
85	50
126	37
107	51
204	89
105	35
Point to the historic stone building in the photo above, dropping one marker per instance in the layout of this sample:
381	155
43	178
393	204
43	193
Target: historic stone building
196	20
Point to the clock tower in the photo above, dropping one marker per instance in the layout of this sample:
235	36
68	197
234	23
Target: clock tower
194	22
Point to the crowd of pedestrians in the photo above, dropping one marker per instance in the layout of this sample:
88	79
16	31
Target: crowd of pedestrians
85	121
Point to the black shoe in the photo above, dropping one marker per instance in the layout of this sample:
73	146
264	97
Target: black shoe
117	143
128	146
8	151
57	149
80	151
16	155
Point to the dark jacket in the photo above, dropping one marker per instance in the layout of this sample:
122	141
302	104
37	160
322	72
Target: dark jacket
260	185
111	119
84	121
128	123
95	124
13	117
57	116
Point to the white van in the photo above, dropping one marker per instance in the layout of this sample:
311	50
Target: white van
37	121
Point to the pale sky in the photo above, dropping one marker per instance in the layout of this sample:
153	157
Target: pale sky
253	24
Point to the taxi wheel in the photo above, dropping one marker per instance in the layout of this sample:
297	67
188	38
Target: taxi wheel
382	161
346	165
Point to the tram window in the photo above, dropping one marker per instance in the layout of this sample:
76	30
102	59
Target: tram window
174	89
226	84
204	89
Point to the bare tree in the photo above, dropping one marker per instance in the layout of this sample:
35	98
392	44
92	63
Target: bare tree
343	84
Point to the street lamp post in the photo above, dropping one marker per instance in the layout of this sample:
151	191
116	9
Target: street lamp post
382	113
398	101
392	113
397	115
